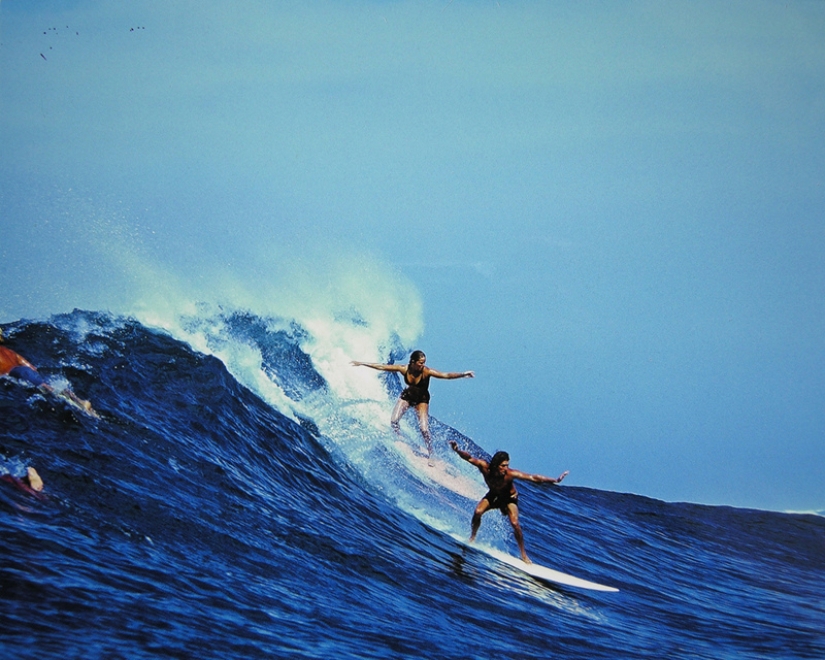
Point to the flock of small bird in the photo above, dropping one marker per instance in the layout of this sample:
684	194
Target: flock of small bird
54	29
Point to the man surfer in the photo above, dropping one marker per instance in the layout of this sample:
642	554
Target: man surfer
502	494
417	393
15	365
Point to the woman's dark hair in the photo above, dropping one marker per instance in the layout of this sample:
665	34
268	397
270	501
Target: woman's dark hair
416	356
498	458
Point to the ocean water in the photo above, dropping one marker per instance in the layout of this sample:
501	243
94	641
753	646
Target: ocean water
242	496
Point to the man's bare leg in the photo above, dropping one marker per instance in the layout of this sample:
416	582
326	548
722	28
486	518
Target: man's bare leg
67	394
512	512
482	507
85	405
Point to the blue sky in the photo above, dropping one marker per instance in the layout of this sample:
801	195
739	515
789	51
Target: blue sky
611	211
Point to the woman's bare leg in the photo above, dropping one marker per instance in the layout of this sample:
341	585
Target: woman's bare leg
423	412
401	407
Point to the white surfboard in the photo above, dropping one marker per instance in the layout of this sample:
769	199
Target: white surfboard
544	573
538	571
440	472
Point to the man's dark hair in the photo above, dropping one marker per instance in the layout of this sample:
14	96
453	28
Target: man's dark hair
498	458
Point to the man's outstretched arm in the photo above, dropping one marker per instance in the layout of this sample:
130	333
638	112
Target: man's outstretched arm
538	478
467	456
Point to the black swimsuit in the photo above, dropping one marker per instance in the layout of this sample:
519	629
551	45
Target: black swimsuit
416	393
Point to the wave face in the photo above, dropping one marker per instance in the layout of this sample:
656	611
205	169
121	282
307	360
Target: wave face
242	496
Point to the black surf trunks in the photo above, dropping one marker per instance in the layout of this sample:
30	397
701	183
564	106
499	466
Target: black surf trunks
501	500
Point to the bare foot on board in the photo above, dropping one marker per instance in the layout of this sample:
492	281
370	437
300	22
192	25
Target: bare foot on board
34	479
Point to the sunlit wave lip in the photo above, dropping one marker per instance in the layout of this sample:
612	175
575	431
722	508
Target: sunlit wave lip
792	512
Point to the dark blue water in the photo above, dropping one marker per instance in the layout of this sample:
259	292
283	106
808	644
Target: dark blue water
200	518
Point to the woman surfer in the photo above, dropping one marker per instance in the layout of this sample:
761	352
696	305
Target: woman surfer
416	377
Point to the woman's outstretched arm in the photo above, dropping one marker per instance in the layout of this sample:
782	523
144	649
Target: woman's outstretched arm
379	367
